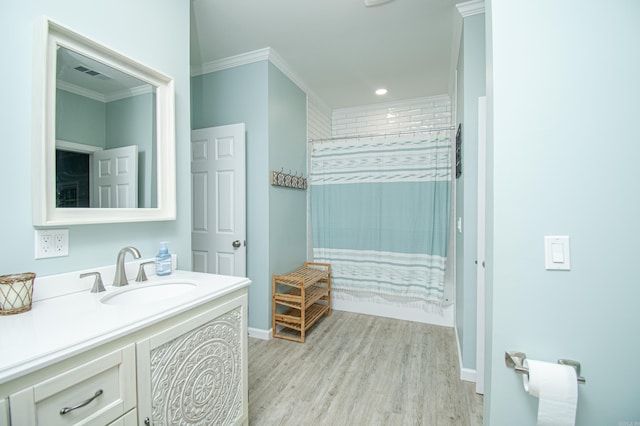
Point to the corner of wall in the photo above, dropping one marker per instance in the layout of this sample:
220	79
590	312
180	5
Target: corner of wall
259	333
466	374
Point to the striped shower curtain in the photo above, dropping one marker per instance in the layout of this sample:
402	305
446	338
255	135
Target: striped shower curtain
380	216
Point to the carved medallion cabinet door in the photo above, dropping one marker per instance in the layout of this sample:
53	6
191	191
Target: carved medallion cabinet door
195	372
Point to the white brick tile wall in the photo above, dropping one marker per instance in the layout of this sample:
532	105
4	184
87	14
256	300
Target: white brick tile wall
318	120
411	115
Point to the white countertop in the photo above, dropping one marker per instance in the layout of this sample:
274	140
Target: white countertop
62	326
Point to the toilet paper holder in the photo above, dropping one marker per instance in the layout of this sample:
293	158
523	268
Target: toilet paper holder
515	360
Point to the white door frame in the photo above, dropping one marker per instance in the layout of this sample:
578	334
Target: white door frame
482	165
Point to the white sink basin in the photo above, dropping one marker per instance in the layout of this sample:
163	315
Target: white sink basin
136	294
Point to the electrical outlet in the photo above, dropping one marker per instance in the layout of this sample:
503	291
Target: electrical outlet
60	243
45	244
51	243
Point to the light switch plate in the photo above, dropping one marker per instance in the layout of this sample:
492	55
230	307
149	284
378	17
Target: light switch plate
557	255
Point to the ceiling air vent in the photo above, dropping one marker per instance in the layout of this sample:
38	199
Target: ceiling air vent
91	72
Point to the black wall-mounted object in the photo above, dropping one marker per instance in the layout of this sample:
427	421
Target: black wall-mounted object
459	151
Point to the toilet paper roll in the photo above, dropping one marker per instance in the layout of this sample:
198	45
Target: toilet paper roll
556	387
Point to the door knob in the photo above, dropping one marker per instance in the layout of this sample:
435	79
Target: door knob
236	244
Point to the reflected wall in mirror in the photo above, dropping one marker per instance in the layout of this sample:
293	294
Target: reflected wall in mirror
98	106
104	143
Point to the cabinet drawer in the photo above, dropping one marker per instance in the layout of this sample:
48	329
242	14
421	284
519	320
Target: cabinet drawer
129	419
111	377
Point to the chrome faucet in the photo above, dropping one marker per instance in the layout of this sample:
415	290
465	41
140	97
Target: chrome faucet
120	278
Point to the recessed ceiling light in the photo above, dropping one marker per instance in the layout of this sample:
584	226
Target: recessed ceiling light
381	92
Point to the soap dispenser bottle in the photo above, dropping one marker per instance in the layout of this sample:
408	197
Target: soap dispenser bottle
163	260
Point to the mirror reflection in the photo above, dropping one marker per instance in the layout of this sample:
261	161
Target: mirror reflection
105	131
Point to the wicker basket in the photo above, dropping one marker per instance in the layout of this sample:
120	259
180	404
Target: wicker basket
16	293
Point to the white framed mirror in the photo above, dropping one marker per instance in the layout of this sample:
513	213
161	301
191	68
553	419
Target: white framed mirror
103	143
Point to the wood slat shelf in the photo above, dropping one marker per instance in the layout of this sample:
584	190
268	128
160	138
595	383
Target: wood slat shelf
293	298
307	293
304	276
292	319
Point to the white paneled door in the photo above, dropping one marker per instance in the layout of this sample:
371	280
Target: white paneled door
115	178
218	233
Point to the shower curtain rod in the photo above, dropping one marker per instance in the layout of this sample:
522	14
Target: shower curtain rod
377	135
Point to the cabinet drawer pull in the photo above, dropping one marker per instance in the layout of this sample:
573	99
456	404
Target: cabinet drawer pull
66	410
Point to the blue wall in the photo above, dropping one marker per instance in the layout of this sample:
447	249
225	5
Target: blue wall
239	95
161	41
288	151
115	124
274	112
80	119
563	92
471	85
129	122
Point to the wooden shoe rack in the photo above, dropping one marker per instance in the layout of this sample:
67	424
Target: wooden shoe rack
306	292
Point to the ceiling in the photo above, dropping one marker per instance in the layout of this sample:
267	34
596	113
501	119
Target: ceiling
340	50
89	77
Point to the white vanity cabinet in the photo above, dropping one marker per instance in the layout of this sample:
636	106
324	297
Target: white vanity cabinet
149	364
129	419
94	393
4	412
195	372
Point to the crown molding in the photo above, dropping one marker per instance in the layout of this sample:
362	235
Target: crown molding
284	67
470	8
128	93
96	96
77	147
266	54
81	91
231	62
465	10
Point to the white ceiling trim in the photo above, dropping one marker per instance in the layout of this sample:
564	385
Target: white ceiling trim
282	65
128	93
96	96
77	147
266	54
470	8
81	91
231	62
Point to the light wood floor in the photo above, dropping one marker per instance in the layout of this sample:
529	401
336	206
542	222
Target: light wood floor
358	369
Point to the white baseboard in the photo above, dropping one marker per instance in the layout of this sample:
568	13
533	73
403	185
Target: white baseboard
260	333
466	374
389	311
445	319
